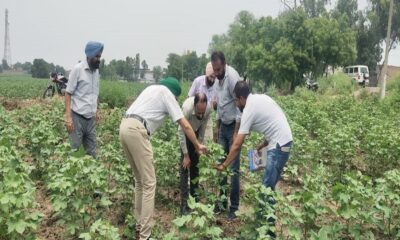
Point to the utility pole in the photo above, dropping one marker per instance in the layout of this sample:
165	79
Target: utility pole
385	63
7	48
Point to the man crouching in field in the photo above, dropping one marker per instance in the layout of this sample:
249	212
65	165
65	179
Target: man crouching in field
141	120
197	112
82	91
262	114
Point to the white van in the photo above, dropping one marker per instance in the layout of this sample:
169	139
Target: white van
359	73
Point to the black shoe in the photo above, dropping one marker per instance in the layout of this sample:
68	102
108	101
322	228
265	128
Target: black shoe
218	209
185	210
231	215
97	194
271	234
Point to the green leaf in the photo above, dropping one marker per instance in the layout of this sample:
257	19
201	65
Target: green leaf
199	221
20	226
180	222
85	236
294	232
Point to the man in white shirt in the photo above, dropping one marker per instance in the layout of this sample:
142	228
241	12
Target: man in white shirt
141	120
262	114
206	84
197	112
81	112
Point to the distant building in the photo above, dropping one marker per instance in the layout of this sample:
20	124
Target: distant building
148	77
392	71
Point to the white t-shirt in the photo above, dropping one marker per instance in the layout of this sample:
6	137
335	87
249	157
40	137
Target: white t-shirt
154	104
262	114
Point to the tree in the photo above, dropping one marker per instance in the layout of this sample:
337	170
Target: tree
219	43
190	65
314	8
128	67
175	66
203	61
334	48
5	65
59	69
40	68
346	9
144	68
157	73
108	71
379	16
136	67
369	50
23	66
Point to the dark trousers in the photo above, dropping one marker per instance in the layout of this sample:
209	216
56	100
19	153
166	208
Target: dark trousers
84	133
225	139
190	173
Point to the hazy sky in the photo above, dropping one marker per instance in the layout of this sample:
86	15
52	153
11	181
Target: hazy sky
58	30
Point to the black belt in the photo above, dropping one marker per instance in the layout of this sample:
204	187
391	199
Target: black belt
142	120
80	115
229	124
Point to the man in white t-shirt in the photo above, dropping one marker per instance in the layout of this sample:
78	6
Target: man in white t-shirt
141	120
262	114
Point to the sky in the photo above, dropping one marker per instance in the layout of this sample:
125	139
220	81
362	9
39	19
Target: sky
57	30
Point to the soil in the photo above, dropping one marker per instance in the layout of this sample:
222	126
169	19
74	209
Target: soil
48	228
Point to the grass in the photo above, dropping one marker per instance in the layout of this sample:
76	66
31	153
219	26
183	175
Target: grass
113	93
21	86
335	84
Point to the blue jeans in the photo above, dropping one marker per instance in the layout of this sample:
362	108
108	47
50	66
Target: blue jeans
276	161
225	139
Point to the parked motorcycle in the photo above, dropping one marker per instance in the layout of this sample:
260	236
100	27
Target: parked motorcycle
59	83
311	84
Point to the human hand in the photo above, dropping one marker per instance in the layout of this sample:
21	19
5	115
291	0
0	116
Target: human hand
69	124
202	149
98	116
186	162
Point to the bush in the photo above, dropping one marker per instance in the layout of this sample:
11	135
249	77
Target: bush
336	84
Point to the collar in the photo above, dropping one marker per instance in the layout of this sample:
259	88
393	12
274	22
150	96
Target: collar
221	82
204	84
85	65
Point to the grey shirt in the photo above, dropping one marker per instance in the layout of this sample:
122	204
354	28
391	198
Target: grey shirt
197	125
83	85
227	111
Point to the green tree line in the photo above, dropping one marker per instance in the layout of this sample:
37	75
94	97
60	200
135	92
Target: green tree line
306	39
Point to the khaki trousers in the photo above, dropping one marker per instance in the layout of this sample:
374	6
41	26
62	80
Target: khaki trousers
138	150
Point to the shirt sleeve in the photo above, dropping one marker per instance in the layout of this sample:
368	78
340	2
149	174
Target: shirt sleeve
73	80
238	115
218	114
246	121
192	90
172	106
233	79
181	134
203	126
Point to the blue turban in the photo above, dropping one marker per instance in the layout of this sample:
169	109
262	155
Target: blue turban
93	48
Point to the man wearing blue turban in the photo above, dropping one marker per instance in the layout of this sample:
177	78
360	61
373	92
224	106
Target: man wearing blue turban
81	96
